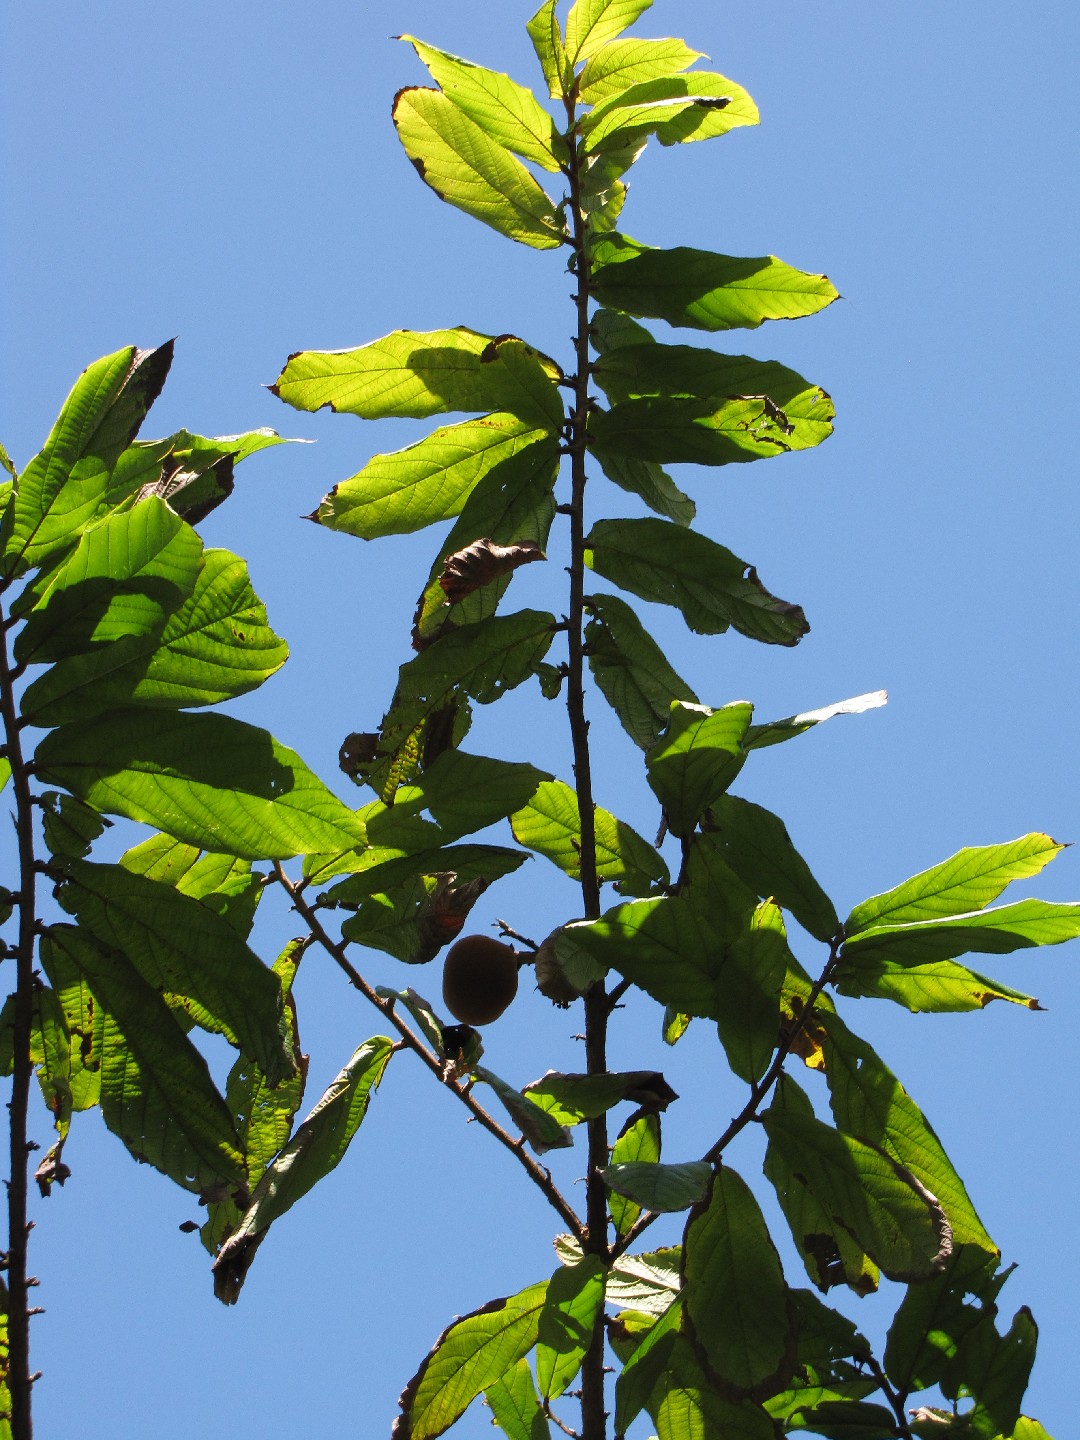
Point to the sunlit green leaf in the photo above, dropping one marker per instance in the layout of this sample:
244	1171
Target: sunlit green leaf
506	111
575	1296
969	880
469	170
69	826
631	670
541	1130
222	883
938	987
748	985
216	646
592	23
315	1149
465	793
674	108
696	759
472	1354
193	473
515	1404
651	484
647	1283
543	30
551	825
209	780
775	732
735	1299
83	1020
388	873
64	486
570	1099
619	64
701	290
713	588
994	932
50	1054
659	1187
643	1368
638	1142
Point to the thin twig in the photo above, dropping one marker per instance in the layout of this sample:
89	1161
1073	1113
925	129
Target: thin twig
894	1397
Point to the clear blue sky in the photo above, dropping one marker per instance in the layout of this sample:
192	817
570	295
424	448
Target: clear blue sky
228	173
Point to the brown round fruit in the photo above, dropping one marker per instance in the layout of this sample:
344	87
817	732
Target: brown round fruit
480	978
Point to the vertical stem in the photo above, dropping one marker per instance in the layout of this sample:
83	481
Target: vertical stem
593	1411
18	1318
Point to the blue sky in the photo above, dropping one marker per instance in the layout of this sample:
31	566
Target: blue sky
227	173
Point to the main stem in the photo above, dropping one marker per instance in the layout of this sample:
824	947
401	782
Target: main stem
593	1410
18	1284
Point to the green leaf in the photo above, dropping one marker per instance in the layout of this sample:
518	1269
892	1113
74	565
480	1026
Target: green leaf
543	30
193	473
465	793
592	23
316	1148
701	290
619	64
156	1090
638	1142
50	1053
713	588
472	1354
190	955
430	481
550	824
128	572
756	844
748	985
570	1099
575	1296
541	1130
664	945
83	1021
222	883
644	1366
659	1187
515	1405
994	932
938	987
646	1283
736	1303
775	732
869	1102
467	169
674	108
631	670
887	1210
994	1369
651	484
64	487
935	1315
685	1405
696	759
969	880
216	646
846	1419
414	374
69	826
209	780
388	877
506	111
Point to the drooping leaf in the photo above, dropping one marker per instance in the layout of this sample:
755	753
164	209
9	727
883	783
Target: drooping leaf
695	759
216	646
515	1404
701	290
390	876
430	481
570	1099
413	918
738	1314
315	1149
748	986
651	484
156	1090
188	954
674	108
756	844
994	1369
472	1354
195	474
541	1130
935	1315
899	1223
414	374
550	824
575	1296
659	1187
63	488
210	780
469	170
619	64
50	1054
712	588
83	1021
592	23
631	670
638	1142
506	111
968	881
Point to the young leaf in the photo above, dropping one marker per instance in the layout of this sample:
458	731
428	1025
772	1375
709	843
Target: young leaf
592	23
469	170
659	1187
316	1148
413	374
156	1090
63	488
695	760
638	1142
713	588
674	109
216	646
188	954
506	111
550	824
968	881
619	64
210	780
515	1405
472	1354
701	290
631	670
543	30
575	1297
409	489
738	1314
756	844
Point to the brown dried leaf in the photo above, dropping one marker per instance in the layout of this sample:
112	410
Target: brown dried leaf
481	562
